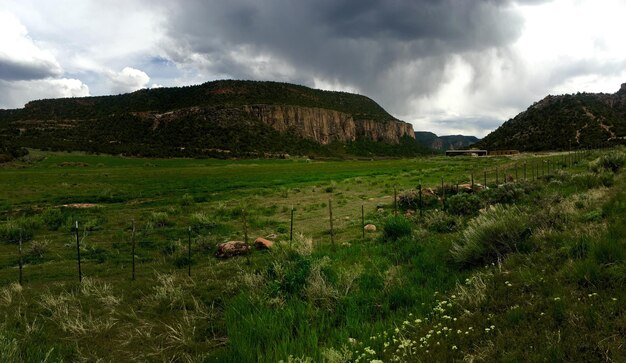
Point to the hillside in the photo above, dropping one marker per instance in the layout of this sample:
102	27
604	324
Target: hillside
442	143
579	120
220	118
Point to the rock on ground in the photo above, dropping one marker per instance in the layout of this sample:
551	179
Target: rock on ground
263	244
231	248
370	228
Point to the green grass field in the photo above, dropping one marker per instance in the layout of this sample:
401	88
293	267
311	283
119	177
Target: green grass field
309	299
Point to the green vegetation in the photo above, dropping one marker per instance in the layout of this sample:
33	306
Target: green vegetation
209	120
572	121
534	264
395	228
442	143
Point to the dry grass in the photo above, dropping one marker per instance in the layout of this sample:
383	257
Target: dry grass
9	293
318	291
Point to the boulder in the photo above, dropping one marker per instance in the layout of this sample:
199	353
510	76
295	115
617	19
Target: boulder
231	248
409	213
263	244
370	228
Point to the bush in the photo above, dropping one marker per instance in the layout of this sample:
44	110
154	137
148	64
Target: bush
12	231
590	180
187	199
396	227
441	222
201	220
159	219
411	200
53	218
37	249
608	251
505	194
463	204
612	161
493	234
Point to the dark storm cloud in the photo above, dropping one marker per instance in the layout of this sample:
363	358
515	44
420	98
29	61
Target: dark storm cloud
464	123
15	70
356	43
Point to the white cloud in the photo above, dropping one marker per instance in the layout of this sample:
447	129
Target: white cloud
128	80
15	94
20	57
447	85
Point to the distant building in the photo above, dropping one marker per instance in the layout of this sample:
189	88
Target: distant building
504	152
466	152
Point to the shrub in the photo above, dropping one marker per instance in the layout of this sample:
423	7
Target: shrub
505	194
579	248
182	261
493	234
97	254
187	199
53	218
396	227
37	249
159	219
463	204
590	180
201	220
612	161
441	222
411	200
608	251
13	230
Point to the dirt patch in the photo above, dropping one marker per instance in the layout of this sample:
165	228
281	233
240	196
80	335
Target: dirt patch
80	205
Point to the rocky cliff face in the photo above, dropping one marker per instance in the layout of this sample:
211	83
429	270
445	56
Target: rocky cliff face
228	117
325	126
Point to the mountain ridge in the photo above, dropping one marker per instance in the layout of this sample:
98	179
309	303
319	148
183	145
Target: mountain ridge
580	120
226	117
444	142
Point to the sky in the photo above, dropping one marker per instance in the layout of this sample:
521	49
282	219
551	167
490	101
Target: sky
446	66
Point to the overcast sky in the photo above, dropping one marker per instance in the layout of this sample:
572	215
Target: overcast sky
447	66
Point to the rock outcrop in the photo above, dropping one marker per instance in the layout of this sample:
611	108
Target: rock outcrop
326	126
219	118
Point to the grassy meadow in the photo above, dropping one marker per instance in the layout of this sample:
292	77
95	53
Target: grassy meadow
526	270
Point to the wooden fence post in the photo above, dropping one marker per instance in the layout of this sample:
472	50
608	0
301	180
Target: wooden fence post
291	226
132	241
245	234
363	220
21	260
443	195
80	273
330	217
189	251
497	181
395	201
421	205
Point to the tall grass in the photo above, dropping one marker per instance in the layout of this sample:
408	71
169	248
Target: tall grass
493	234
396	227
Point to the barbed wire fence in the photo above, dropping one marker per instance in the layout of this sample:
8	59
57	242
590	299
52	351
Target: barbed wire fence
85	238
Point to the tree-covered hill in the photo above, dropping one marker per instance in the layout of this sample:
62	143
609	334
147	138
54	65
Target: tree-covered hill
580	120
442	143
220	118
